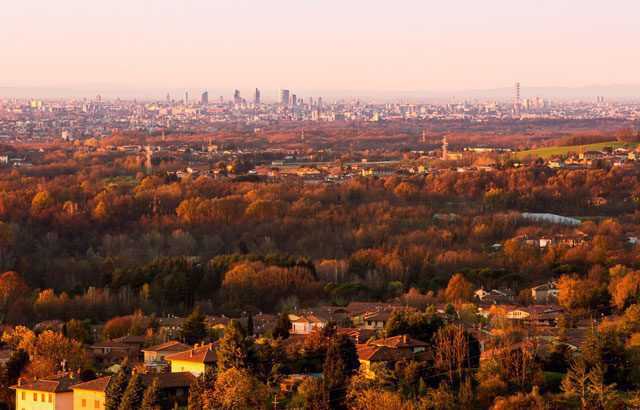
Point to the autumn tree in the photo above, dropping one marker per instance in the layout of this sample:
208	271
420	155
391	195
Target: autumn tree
575	293
455	352
624	287
198	388
236	389
12	288
458	289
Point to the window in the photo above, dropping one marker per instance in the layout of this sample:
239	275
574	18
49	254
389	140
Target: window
50	397
96	404
35	396
84	402
24	396
42	397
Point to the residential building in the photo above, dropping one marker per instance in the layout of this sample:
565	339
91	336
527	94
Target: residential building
305	324
545	293
53	393
91	394
159	352
196	360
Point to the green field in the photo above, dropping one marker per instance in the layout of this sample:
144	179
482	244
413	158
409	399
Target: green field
548	152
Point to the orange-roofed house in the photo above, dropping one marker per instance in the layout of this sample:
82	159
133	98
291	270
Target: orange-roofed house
196	360
388	351
305	324
159	352
91	394
53	393
369	355
402	342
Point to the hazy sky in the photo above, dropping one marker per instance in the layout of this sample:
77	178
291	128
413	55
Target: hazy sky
319	44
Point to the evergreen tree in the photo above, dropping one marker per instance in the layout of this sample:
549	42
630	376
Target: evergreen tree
233	349
151	399
17	362
334	375
282	327
194	329
348	353
250	330
115	389
133	395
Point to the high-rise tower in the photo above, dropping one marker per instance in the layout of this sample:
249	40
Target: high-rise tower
204	99
517	102
256	97
284	97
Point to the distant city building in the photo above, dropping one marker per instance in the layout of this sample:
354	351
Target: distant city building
256	97
294	100
237	99
284	97
186	97
517	103
204	99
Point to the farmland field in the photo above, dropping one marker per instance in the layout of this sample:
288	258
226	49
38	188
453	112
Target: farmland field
548	152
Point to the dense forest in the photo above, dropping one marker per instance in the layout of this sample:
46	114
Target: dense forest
99	227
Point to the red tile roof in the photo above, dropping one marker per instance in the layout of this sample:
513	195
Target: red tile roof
374	353
202	354
53	384
398	342
99	384
170	346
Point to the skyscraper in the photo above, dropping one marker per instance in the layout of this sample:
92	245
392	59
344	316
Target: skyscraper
284	97
204	99
256	97
294	100
186	97
517	104
237	99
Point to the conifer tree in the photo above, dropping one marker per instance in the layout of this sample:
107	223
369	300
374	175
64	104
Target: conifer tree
133	395
115	389
151	399
232	350
194	329
282	327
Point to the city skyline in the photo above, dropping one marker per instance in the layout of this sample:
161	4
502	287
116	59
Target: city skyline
326	46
